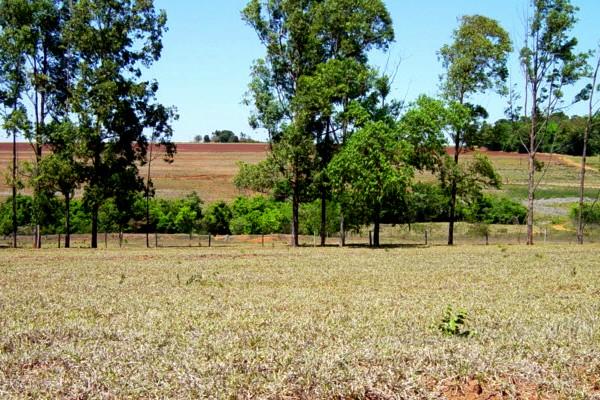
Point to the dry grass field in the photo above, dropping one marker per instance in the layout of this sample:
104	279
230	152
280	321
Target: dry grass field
300	323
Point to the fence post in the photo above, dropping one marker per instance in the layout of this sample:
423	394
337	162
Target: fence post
59	240
155	239
209	239
426	238
105	240
487	238
370	239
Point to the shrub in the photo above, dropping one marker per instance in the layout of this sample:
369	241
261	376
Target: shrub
591	213
490	209
217	218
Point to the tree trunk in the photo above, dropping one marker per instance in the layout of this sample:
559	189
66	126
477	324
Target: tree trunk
586	136
582	187
148	182
295	212
453	193
342	230
94	243
376	226
15	223
452	215
147	217
67	220
531	174
323	230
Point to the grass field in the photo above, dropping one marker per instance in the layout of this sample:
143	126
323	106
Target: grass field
305	323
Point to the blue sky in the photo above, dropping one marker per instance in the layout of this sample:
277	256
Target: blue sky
208	51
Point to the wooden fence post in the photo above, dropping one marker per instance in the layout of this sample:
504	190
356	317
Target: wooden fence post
209	240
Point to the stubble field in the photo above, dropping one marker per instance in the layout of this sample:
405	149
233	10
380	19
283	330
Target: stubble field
300	323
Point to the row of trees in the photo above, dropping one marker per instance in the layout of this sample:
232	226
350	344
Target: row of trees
224	136
335	133
565	135
251	215
71	84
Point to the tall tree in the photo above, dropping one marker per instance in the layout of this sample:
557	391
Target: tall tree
34	27
112	41
475	62
549	62
13	83
300	36
589	125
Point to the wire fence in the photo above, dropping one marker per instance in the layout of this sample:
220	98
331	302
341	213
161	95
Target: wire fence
400	235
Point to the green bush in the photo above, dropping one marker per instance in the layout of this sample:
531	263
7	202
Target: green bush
591	213
490	209
310	218
259	215
217	218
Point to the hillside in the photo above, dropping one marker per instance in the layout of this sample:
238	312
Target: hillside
209	169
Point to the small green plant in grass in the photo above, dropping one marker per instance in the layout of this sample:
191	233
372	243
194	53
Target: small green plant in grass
194	278
453	323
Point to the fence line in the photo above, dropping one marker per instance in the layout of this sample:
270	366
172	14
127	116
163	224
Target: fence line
418	234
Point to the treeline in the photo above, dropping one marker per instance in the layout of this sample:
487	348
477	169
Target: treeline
248	215
224	136
565	135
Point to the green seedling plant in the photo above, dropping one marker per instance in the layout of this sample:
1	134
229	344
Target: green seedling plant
453	323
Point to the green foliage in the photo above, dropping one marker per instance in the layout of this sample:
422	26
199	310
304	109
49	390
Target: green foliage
590	213
217	217
224	136
564	137
453	323
476	59
259	215
24	211
372	165
429	203
490	209
310	218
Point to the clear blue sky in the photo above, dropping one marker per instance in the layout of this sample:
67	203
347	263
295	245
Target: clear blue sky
208	51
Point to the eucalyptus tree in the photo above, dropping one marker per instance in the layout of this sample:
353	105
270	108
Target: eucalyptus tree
549	62
12	86
591	122
474	62
112	41
32	31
